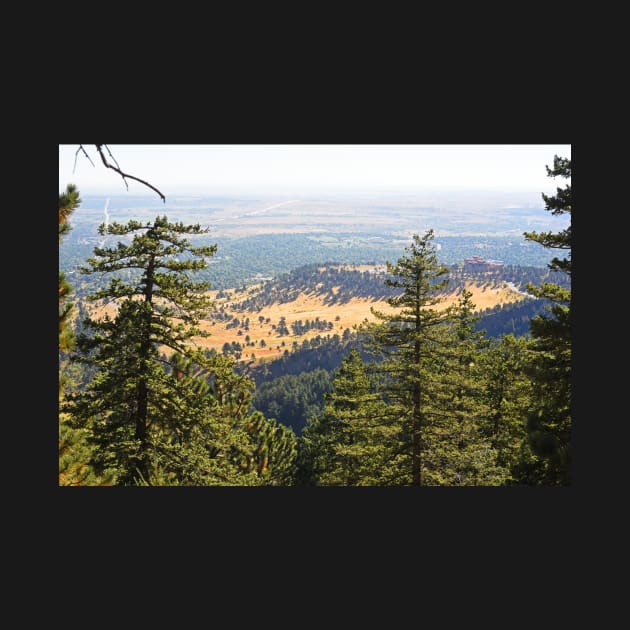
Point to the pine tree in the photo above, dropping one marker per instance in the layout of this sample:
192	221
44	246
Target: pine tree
74	451
428	378
350	443
220	441
68	202
131	402
274	450
549	421
262	450
507	393
559	204
408	336
457	451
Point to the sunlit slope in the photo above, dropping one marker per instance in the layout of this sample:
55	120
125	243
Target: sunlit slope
333	319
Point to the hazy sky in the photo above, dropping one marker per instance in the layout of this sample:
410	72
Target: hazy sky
290	167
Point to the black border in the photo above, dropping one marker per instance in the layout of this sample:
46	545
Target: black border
439	523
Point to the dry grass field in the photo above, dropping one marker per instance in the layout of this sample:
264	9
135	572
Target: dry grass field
305	307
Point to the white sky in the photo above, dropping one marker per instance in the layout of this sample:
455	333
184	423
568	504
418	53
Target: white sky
290	167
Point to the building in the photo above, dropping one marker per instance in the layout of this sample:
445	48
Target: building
477	262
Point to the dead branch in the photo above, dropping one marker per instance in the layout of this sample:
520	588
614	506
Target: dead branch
77	154
119	171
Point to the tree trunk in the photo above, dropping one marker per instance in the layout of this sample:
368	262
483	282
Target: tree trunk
416	449
143	393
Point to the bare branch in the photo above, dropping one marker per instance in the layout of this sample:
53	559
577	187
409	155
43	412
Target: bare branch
76	155
125	175
111	156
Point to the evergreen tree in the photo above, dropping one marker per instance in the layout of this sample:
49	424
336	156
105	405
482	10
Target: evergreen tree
68	202
350	443
457	451
549	421
408	335
219	441
507	393
428	378
74	451
262	450
131	402
274	450
559	204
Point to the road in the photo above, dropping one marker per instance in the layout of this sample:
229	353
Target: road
512	286
106	211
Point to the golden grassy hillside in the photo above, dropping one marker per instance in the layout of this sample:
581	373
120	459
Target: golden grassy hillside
305	307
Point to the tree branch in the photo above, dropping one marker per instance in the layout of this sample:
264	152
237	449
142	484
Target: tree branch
76	155
111	156
124	175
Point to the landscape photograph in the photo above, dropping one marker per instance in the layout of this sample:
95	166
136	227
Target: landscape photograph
315	315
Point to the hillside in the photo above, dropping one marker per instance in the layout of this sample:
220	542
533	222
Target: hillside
311	304
309	307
